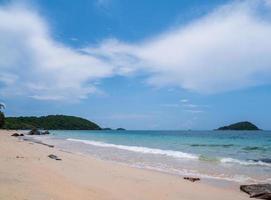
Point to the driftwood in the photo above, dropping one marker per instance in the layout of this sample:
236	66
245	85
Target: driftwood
39	142
52	156
17	134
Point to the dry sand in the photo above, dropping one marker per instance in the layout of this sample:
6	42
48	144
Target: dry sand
26	173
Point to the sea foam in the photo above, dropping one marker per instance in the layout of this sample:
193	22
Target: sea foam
138	149
174	154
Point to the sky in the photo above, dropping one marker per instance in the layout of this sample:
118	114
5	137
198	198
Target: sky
155	64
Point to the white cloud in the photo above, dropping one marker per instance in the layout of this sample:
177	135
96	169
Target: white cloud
34	64
74	39
193	108
188	107
226	50
184	100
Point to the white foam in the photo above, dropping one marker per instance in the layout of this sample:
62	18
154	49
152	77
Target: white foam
138	149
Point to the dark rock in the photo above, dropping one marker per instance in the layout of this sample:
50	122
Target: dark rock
52	156
34	131
19	157
45	133
260	191
15	135
21	134
192	179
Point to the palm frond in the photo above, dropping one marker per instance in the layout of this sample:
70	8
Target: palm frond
2	106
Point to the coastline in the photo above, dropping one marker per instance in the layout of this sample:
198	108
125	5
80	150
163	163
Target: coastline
26	172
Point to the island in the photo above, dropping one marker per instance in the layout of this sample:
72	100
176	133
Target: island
121	129
50	122
110	129
240	126
107	129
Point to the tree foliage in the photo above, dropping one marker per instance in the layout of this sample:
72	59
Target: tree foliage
2	106
50	122
2	116
2	119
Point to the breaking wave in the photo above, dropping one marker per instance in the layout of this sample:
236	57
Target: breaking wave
146	150
176	154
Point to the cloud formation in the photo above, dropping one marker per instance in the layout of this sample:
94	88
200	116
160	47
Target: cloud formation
32	63
186	106
228	49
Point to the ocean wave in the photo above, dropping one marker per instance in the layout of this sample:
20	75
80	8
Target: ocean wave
265	160
212	145
177	154
254	148
139	149
249	162
260	162
209	159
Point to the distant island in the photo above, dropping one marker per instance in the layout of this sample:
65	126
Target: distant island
50	122
110	129
240	126
107	129
120	129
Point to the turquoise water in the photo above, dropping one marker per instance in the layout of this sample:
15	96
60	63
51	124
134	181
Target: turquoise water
230	155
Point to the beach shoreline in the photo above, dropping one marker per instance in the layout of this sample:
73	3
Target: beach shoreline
26	172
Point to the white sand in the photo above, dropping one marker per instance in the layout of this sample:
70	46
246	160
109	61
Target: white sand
34	176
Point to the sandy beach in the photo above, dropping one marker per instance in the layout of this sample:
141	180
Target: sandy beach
26	173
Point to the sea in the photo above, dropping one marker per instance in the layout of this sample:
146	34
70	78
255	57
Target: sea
235	156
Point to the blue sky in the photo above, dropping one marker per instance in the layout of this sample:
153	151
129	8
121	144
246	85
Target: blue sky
138	64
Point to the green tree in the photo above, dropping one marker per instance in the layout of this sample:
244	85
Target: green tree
2	116
50	122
